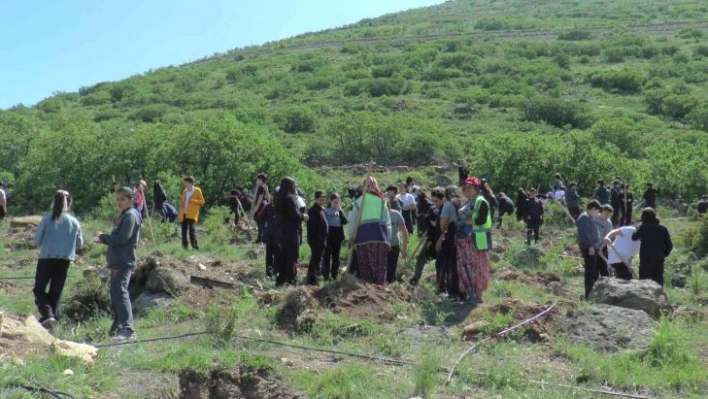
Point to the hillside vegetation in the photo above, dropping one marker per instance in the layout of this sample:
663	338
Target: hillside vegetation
519	89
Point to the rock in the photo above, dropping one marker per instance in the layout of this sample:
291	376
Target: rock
201	267
25	221
197	259
149	300
679	280
611	328
170	281
494	257
688	313
474	328
645	295
68	372
529	256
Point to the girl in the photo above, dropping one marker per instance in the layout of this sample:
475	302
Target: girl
336	221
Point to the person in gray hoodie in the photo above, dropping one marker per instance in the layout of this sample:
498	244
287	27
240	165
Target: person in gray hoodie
58	236
589	241
121	257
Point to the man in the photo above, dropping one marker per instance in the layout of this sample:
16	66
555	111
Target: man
572	200
423	207
428	251
589	242
650	196
703	205
604	226
3	201
159	194
622	249
533	215
399	244
655	247
317	231
259	205
121	258
408	206
616	200
191	202
557	182
601	193
392	198
506	207
627	202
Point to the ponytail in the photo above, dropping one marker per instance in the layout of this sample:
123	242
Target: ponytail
60	203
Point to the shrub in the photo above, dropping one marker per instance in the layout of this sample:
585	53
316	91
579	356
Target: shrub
298	119
389	87
385	71
575	34
354	87
690	33
628	81
556	111
150	113
696	238
701	50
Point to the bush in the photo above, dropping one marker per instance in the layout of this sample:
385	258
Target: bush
701	51
297	119
389	87
150	113
575	34
696	238
690	33
556	111
385	71
627	81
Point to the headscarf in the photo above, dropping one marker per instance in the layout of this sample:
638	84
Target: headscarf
373	186
474	182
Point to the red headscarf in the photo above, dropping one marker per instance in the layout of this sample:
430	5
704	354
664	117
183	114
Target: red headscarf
474	182
373	186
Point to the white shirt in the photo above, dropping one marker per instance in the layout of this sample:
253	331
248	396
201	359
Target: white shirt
407	199
2	194
624	245
301	202
559	195
187	198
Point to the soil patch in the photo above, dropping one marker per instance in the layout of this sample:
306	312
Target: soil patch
539	330
240	383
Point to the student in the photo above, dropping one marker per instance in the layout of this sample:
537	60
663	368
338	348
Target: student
703	205
269	237
601	194
191	202
423	207
559	195
557	182
445	246
317	233
408	206
289	219
617	201
489	196
655	247
392	198
533	215
626	205
506	207
572	200
139	198
399	244
589	242
622	249
336	220
427	251
604	226
58	236
159	194
521	197
650	196
121	258
259	204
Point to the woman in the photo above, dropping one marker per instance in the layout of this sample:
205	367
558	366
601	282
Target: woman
432	235
191	202
445	247
289	218
423	208
521	197
336	221
655	247
58	236
371	232
473	242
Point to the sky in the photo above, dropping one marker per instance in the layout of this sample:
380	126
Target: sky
49	46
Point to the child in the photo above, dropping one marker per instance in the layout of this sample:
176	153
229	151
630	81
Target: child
589	242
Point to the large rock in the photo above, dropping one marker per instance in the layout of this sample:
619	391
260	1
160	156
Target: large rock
26	221
645	295
149	300
169	281
529	257
611	328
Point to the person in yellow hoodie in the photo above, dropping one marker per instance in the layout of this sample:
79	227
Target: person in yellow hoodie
191	202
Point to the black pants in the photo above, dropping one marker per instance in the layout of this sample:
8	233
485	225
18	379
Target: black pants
532	226
616	215
269	255
591	275
313	270
574	211
331	258
652	269
261	225
628	216
408	219
420	262
188	225
286	254
50	272
621	271
449	265
393	255
602	267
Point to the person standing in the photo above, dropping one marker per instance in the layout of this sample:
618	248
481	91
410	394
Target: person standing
191	202
622	249
627	203
604	226
371	234
616	200
473	246
423	208
589	242
399	244
655	247
317	233
428	251
289	219
489	196
159	194
557	182
121	258
601	194
506	207
336	220
393	199
269	238
650	196
408	206
139	198
521	197
703	205
559	195
3	201
259	204
446	246
58	236
572	200
533	215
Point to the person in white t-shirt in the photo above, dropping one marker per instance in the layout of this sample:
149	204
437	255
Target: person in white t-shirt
626	249
408	206
559	195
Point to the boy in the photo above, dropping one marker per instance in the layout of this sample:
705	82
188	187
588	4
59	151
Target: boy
604	226
589	242
622	249
533	215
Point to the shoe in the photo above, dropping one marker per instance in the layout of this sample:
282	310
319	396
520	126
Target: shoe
48	323
125	335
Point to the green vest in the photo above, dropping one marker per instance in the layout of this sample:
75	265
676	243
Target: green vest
481	232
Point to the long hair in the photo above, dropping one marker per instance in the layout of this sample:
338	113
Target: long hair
287	190
452	193
60	203
649	216
332	197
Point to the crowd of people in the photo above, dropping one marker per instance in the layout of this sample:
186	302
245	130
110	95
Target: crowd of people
454	226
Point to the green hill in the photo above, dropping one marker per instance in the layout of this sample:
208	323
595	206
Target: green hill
519	89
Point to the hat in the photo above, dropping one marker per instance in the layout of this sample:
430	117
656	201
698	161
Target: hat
473	181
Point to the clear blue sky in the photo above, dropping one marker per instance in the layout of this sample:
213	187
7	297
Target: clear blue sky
61	45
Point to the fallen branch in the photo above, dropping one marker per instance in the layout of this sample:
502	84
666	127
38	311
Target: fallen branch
600	391
499	334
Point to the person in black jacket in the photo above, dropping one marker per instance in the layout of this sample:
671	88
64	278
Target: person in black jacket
289	219
269	237
617	202
317	233
533	215
656	246
650	196
159	195
423	208
703	205
336	220
506	207
521	197
427	252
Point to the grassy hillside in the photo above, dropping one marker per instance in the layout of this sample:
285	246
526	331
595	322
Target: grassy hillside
586	88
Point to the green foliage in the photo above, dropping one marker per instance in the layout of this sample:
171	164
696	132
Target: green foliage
575	34
624	81
696	238
556	112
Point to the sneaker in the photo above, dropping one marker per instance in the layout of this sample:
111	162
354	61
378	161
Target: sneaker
49	323
125	335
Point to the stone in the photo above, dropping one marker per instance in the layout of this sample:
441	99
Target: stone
645	295
529	257
689	313
197	259
611	328
68	372
202	267
149	300
168	281
474	328
25	221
